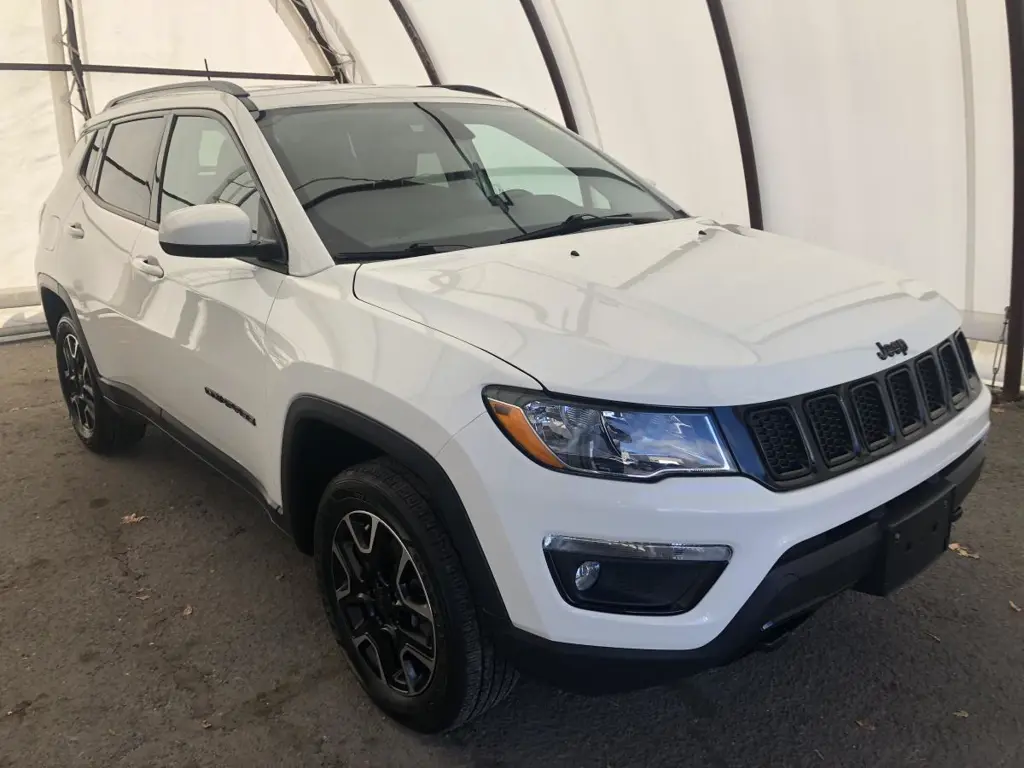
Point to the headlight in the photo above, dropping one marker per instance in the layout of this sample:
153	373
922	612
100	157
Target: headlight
609	440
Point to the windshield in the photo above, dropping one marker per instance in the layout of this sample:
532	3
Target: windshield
406	178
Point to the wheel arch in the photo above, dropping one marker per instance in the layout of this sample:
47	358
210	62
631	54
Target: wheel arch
371	439
56	301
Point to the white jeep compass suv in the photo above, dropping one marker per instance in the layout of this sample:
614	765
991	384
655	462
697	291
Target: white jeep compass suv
525	413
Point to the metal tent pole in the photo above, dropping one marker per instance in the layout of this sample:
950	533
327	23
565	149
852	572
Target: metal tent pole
1015	312
63	117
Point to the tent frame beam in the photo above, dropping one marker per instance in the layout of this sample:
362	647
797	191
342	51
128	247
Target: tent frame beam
75	58
305	15
19	66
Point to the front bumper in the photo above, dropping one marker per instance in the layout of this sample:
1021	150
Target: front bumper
514	504
806	576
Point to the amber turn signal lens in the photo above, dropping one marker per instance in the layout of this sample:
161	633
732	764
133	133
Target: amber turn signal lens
513	421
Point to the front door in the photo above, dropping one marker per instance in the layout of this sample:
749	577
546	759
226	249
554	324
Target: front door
100	233
200	346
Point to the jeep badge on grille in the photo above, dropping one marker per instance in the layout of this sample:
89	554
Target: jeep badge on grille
893	348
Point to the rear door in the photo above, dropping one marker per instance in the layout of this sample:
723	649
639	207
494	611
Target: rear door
100	233
200	342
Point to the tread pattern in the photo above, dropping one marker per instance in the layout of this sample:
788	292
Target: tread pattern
489	677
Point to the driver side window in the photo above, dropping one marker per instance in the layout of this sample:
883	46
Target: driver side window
203	165
512	164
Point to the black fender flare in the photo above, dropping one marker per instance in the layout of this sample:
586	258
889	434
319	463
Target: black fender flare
47	283
443	496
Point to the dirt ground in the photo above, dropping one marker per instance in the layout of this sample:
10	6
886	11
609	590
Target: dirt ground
194	637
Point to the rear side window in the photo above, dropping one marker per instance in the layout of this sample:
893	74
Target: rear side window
127	172
92	158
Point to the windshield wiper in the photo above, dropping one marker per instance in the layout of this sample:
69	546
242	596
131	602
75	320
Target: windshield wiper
581	221
416	249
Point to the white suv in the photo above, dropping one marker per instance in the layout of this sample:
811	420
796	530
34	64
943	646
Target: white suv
525	412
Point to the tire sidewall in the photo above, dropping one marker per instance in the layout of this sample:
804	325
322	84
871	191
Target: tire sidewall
442	700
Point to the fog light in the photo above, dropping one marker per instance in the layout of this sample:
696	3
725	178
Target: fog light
629	577
586	575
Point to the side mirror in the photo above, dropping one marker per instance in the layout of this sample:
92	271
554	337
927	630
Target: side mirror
212	230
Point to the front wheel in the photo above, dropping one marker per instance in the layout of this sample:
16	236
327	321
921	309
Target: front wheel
399	603
98	426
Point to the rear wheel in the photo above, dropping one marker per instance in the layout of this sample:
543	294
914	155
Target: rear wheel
98	426
399	603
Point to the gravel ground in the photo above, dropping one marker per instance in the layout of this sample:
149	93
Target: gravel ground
194	637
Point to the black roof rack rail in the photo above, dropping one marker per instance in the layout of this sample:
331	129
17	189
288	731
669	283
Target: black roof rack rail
466	89
223	86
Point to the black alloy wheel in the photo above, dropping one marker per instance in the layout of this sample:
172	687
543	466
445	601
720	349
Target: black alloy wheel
78	385
100	428
382	599
399	603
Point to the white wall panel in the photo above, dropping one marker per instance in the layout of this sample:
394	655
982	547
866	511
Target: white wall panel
993	157
29	156
857	114
660	98
489	44
384	54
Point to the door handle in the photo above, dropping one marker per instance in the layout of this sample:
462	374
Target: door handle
147	265
75	230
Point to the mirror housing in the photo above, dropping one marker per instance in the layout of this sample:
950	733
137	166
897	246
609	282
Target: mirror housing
212	230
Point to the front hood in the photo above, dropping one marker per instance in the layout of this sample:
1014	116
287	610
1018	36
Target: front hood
686	312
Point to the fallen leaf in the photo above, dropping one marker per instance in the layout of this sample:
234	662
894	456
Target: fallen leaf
936	638
818	753
142	597
865	725
963	551
132	519
1015	607
207	724
187	612
961	713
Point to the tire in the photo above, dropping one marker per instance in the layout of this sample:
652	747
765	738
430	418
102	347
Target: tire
100	428
467	675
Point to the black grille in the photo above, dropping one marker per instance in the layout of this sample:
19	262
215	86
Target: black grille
782	447
831	428
905	402
871	414
806	439
964	350
931	386
955	381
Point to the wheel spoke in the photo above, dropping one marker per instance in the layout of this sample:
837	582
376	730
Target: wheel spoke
381	653
417	667
413	603
422	644
88	415
364	541
69	354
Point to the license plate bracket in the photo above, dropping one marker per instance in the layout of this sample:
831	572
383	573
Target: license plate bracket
911	540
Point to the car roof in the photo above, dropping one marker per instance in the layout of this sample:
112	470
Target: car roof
202	93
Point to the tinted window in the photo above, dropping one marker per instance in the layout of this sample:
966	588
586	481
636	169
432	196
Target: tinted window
128	164
92	158
204	166
382	177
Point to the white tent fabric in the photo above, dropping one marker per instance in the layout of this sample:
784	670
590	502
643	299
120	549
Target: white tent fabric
881	130
30	158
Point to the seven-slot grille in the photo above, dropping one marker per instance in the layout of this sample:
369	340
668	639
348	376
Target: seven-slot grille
806	439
